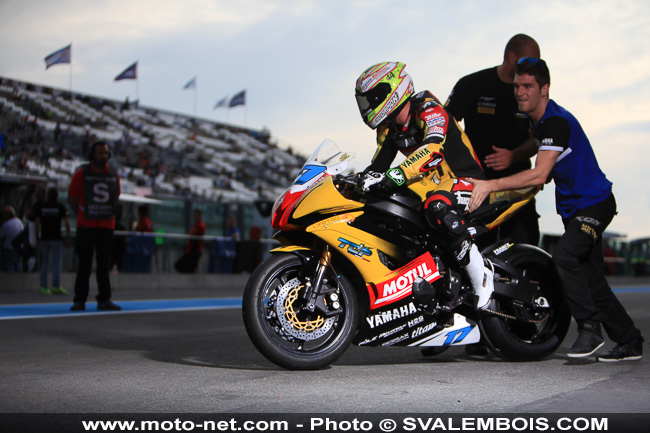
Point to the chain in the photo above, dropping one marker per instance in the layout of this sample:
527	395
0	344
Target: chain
508	316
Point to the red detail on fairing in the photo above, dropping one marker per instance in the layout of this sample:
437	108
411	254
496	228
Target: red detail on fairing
462	185
283	208
399	285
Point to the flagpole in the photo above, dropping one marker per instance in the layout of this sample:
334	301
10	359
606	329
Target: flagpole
196	84
71	80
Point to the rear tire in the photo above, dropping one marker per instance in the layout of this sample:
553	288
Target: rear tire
286	333
514	340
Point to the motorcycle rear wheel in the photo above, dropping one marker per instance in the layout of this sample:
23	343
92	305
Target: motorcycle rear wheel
282	329
514	340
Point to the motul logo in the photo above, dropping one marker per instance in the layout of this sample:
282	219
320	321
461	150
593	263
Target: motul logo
401	281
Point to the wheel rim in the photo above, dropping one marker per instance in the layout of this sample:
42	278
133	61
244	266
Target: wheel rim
291	327
546	315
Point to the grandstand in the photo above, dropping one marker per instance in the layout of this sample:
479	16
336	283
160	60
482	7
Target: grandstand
158	153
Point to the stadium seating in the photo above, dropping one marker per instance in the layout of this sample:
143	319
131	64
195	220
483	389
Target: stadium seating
47	132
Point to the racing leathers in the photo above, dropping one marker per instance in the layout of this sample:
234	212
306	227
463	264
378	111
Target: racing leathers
438	149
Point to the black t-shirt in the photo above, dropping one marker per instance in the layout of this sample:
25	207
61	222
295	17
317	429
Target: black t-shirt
51	215
492	117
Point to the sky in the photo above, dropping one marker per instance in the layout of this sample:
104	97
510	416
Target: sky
299	59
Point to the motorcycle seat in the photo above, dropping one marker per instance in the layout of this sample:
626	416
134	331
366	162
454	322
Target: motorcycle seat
500	206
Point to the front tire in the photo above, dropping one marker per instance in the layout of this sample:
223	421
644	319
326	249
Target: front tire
285	332
517	340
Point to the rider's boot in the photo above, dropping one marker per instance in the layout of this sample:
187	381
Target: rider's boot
481	275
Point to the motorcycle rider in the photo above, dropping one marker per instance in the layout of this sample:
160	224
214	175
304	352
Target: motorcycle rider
435	147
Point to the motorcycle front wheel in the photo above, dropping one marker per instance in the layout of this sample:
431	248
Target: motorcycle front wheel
281	326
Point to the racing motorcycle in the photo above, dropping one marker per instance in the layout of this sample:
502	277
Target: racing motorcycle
362	268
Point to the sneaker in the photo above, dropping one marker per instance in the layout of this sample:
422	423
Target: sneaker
45	291
108	305
632	351
59	291
78	306
587	343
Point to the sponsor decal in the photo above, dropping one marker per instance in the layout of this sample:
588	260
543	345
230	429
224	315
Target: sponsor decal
333	220
435	160
463	198
390	315
370	80
392	103
396	175
396	340
486	105
431	114
392	331
502	249
466	245
357	250
435	122
486	110
588	220
420	154
368	341
589	230
423	329
415	321
400	281
547	142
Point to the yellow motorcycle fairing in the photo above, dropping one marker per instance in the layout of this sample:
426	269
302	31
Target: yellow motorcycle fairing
358	246
324	198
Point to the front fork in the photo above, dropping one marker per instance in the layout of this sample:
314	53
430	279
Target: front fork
318	295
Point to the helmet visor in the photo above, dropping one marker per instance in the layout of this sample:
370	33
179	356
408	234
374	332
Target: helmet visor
373	98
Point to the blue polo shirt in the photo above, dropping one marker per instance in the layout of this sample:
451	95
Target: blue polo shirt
579	181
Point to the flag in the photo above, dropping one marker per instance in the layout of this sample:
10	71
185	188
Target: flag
221	103
60	56
190	84
238	99
129	73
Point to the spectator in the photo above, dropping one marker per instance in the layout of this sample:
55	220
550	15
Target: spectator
189	262
93	196
49	216
11	228
499	132
119	242
585	201
501	137
228	246
144	223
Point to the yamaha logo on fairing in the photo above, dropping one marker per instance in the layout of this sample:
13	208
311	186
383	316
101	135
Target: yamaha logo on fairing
390	315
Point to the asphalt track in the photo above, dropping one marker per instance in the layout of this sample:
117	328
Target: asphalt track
187	352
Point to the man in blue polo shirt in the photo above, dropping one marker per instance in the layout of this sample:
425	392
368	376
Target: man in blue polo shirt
584	200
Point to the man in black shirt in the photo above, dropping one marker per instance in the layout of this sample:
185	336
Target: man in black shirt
498	131
49	216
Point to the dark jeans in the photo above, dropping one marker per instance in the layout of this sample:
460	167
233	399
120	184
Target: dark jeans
579	259
88	241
